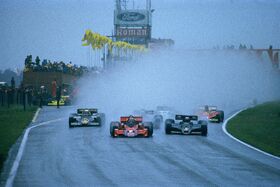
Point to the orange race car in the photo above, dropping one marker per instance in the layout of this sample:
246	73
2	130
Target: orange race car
131	126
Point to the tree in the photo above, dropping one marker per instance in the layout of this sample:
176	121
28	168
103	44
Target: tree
37	61
28	60
240	46
44	62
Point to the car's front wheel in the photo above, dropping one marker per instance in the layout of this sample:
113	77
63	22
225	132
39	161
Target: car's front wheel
99	120
70	122
168	126
204	128
150	128
113	126
222	116
102	118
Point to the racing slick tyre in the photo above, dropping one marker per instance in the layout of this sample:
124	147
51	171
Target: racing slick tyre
113	126
102	118
150	128
218	119
168	125
222	115
204	128
70	121
99	120
157	121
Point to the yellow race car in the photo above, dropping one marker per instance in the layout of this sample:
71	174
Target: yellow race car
65	100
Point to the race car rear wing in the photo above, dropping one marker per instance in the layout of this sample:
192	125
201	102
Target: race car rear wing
91	110
209	108
213	108
125	118
149	112
186	117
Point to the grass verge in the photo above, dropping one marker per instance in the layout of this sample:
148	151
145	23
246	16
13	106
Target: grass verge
13	121
259	127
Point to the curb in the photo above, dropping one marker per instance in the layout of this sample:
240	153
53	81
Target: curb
247	145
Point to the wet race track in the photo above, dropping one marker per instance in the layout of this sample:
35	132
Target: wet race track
58	156
208	65
55	155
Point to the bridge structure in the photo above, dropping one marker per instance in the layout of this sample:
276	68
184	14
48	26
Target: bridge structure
273	54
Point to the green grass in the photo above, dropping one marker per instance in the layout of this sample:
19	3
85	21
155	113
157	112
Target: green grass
259	127
13	121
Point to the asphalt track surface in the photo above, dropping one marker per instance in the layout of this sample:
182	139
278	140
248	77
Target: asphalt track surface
58	156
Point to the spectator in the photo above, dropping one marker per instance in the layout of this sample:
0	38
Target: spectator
41	96
13	83
58	96
2	95
54	85
13	86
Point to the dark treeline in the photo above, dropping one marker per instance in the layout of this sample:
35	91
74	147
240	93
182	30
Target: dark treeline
8	74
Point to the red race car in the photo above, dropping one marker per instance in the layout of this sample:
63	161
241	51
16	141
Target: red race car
212	113
131	126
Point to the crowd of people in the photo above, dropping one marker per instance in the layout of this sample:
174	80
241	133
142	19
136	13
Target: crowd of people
48	66
28	95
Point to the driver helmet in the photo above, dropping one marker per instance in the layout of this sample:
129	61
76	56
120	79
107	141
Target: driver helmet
131	121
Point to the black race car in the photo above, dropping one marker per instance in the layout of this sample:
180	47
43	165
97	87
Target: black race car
186	124
86	117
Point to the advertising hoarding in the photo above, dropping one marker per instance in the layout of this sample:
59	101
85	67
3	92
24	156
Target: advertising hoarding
132	18
132	32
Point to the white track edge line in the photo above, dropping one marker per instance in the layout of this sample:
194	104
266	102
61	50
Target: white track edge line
247	145
36	115
15	166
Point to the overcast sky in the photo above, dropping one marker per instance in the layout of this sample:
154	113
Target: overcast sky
53	29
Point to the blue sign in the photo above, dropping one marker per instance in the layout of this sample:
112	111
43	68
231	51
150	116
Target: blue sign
131	16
